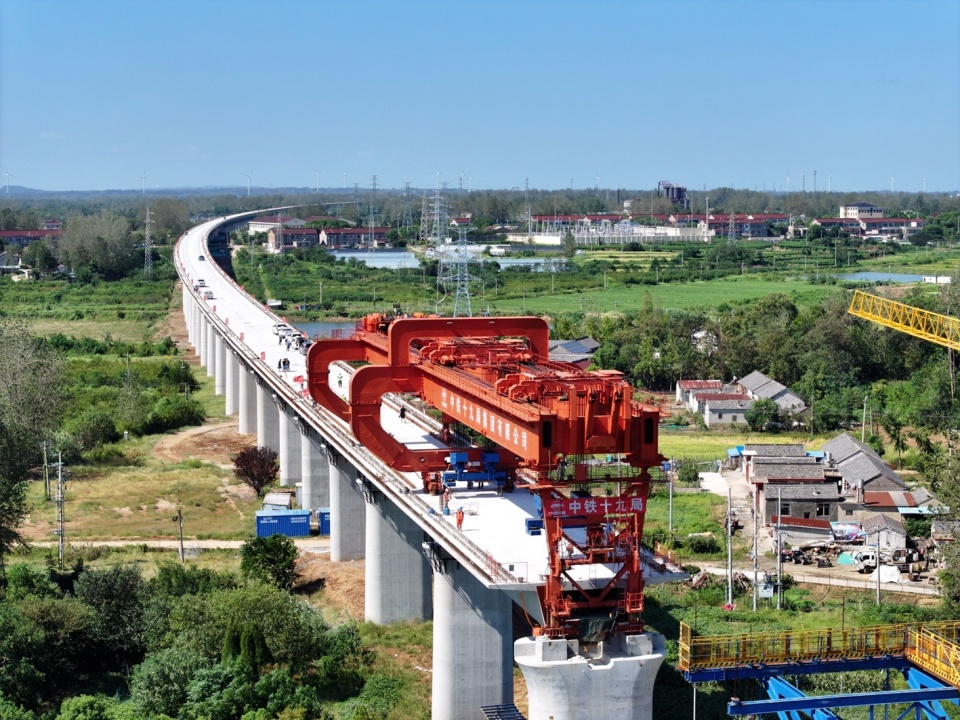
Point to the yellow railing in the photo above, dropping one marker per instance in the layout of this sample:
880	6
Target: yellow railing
934	653
940	329
700	653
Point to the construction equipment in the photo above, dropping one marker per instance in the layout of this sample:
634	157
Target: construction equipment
941	329
533	422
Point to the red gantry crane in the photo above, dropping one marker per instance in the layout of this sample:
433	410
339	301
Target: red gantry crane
548	421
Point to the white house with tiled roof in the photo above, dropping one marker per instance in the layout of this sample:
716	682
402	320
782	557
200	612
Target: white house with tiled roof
266	223
758	386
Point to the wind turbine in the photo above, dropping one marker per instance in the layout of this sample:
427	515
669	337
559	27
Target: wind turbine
6	178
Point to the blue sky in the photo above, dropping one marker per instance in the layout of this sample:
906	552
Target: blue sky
95	94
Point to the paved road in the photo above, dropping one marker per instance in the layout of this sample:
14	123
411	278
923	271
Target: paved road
310	544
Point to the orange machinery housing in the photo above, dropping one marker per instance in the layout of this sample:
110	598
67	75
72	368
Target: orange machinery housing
493	375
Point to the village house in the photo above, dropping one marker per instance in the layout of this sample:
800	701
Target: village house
354	237
758	386
266	223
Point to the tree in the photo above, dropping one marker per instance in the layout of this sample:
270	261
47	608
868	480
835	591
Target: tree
39	256
272	559
257	467
568	245
118	596
764	411
170	215
30	404
98	245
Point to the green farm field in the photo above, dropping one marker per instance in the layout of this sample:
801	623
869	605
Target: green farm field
617	298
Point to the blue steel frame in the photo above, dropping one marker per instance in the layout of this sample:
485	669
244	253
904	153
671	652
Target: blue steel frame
761	671
787	701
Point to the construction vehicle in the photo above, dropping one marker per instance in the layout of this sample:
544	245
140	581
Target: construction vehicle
510	416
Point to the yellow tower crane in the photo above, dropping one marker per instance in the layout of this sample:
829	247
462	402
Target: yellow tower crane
941	329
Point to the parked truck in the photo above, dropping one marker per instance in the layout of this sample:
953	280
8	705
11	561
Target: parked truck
905	560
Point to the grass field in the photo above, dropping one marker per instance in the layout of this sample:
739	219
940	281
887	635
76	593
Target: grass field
617	298
137	498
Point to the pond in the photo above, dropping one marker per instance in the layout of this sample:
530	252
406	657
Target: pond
881	277
398	259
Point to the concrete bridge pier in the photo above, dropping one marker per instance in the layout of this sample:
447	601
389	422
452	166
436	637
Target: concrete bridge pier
289	450
232	386
472	637
396	574
197	322
211	350
220	364
347	512
314	471
268	421
617	677
248	399
202	347
186	304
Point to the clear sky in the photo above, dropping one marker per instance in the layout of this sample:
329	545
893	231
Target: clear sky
95	94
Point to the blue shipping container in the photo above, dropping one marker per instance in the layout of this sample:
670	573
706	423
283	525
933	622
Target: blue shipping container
292	523
323	515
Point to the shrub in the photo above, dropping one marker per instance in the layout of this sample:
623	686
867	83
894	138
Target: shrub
702	544
170	413
24	580
270	559
87	707
94	427
159	684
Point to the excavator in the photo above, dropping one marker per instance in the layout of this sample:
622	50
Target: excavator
511	416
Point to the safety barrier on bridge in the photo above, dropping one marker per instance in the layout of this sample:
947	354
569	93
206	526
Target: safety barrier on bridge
930	645
931	650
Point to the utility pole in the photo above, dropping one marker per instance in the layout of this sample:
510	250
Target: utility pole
178	518
863	424
756	562
46	473
59	499
729	546
779	547
878	565
672	475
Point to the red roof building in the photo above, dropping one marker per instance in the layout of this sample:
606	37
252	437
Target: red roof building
25	237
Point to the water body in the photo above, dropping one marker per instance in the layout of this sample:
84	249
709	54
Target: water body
396	259
881	277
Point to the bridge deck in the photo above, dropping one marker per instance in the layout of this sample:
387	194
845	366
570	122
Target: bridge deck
494	527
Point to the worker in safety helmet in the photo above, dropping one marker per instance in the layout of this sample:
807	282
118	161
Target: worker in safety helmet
460	518
561	467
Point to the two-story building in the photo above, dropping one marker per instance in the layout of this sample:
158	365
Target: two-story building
860	211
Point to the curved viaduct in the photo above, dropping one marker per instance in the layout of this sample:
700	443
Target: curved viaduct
417	564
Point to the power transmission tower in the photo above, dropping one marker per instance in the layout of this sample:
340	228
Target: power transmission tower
406	217
373	213
460	276
147	248
732	229
278	236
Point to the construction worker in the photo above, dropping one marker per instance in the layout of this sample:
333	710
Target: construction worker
561	467
460	518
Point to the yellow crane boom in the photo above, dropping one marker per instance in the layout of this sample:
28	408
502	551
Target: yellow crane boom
941	329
